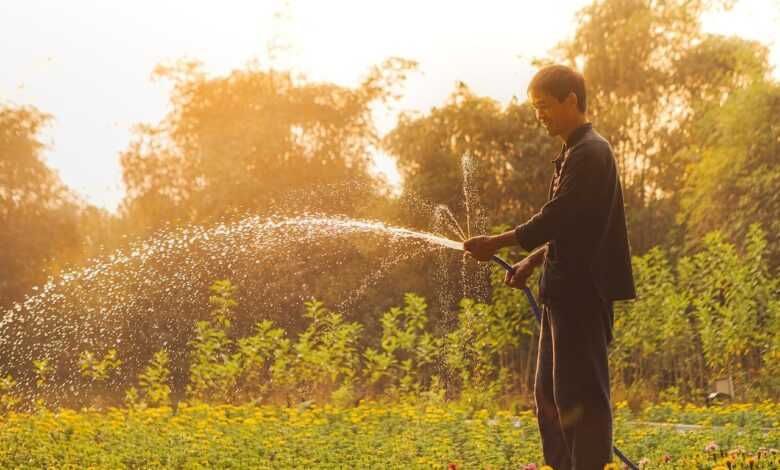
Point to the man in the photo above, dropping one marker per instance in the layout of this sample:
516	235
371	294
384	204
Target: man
580	236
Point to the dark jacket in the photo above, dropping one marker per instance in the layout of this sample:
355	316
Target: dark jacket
584	223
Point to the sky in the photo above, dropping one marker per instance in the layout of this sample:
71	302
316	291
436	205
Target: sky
88	63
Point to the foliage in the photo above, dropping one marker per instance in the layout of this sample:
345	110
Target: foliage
222	366
98	369
733	173
214	365
8	395
652	332
235	143
43	371
408	351
692	118
646	102
712	316
34	204
508	149
326	352
264	357
154	382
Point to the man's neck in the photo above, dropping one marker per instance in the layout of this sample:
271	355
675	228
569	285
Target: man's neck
578	121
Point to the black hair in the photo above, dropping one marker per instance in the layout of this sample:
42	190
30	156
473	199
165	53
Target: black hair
559	81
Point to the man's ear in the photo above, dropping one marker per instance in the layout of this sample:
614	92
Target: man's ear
571	100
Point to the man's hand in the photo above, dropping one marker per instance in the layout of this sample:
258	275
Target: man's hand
523	271
481	248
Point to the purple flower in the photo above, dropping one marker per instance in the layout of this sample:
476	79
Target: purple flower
711	447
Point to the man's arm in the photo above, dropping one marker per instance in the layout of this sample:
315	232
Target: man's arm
489	245
509	238
580	177
537	256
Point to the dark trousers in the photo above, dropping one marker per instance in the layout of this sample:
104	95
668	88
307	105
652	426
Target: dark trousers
572	383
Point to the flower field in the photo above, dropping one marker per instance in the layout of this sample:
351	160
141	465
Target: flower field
370	435
766	414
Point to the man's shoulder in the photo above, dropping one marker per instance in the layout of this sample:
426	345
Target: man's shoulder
592	140
591	144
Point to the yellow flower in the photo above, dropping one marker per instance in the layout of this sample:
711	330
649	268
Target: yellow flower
546	467
611	466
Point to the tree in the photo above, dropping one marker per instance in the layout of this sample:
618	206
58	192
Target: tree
244	141
510	157
264	142
733	178
38	214
650	73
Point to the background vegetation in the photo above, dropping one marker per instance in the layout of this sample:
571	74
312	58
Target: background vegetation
693	121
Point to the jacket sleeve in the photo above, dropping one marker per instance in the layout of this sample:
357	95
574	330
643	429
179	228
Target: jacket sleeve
581	174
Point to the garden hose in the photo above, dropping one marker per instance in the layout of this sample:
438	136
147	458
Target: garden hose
526	289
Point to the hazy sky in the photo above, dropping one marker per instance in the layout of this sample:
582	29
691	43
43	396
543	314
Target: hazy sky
88	62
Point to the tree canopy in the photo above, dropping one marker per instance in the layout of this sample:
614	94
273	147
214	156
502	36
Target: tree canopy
244	141
38	214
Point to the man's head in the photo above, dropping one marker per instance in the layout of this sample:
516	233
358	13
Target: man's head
557	93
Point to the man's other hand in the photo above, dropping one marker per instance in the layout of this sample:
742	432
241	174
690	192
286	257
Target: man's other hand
481	248
523	271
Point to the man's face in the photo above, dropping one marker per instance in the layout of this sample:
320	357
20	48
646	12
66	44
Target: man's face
551	113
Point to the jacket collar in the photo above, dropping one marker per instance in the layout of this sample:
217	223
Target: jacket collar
574	137
578	134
